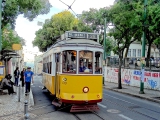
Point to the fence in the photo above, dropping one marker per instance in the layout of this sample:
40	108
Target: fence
133	63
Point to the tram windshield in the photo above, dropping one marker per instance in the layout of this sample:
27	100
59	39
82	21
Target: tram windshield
85	62
69	61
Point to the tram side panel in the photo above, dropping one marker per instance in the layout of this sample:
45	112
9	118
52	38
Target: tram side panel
72	88
49	82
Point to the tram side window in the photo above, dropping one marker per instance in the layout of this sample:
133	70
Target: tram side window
98	63
69	61
58	60
85	62
50	66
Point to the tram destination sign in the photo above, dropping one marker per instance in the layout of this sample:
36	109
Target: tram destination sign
81	35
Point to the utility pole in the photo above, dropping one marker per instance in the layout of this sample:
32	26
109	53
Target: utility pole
104	41
0	25
143	48
104	46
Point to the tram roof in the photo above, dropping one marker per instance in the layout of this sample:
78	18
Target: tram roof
72	43
77	42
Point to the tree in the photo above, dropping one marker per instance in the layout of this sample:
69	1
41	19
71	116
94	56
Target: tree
153	25
30	8
9	37
53	28
109	45
95	20
127	28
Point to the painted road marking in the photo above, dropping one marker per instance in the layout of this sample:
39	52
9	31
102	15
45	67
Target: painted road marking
102	105
119	99
125	117
113	111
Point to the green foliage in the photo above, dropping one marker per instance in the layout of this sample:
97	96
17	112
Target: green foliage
94	19
10	37
109	45
53	28
30	8
127	25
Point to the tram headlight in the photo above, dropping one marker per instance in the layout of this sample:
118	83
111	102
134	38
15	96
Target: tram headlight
85	89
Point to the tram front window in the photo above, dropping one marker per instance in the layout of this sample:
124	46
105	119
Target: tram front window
69	61
85	62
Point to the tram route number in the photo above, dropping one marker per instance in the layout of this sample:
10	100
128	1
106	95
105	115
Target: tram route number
64	82
82	35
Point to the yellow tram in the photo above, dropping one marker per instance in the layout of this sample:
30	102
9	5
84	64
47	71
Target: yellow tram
72	70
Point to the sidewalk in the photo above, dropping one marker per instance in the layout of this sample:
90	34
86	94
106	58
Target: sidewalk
11	109
151	95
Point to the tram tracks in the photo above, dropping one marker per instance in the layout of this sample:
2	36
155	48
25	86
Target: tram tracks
77	116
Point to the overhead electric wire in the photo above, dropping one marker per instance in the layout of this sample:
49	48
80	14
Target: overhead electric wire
70	7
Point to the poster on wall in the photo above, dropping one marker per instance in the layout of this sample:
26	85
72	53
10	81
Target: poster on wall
153	80
126	76
142	75
133	77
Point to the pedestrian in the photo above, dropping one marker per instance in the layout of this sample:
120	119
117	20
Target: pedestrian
16	75
28	77
22	76
7	84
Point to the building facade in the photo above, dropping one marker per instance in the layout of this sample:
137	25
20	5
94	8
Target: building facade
135	50
38	64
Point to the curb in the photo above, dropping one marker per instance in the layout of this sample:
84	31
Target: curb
147	98
31	100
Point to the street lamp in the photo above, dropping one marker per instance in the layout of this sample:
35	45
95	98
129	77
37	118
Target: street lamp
143	49
104	47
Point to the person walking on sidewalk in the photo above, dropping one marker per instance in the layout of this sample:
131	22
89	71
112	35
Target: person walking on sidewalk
22	76
16	75
28	77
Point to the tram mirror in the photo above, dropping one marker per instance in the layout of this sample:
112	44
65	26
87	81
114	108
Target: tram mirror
97	54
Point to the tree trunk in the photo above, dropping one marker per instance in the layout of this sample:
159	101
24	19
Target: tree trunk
126	52
148	54
119	70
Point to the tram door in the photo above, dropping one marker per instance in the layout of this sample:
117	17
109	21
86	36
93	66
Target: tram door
57	70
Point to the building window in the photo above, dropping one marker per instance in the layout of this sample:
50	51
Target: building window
129	53
139	52
134	52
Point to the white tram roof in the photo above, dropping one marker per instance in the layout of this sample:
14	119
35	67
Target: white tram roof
71	43
76	42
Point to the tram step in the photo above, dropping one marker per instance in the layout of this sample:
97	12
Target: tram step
56	104
83	108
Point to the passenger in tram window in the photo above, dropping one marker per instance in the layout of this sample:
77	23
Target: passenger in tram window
82	67
90	67
73	66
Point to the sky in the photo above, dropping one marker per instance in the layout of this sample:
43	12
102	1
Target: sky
27	29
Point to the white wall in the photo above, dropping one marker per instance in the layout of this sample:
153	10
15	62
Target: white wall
132	77
154	52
